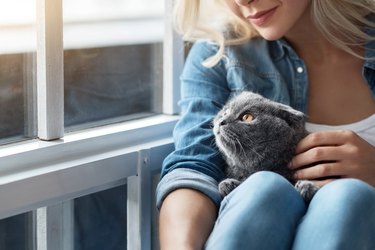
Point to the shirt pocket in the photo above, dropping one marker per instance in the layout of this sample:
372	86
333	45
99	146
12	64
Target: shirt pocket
269	83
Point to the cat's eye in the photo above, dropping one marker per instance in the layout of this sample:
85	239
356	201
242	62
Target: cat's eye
247	117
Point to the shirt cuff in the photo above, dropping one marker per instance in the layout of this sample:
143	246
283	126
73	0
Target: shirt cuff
187	178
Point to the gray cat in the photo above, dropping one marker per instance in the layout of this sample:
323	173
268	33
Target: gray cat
256	134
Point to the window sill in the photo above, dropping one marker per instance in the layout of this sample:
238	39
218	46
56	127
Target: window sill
38	173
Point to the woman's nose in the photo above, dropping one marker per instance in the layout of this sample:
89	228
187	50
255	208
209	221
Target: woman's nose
243	2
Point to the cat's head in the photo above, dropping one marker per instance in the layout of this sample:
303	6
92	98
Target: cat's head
251	130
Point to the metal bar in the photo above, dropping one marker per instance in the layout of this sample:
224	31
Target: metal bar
55	227
50	69
139	205
41	228
173	61
30	95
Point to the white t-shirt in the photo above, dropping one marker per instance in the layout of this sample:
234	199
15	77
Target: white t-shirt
364	128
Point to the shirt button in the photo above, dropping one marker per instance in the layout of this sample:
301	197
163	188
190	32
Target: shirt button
300	70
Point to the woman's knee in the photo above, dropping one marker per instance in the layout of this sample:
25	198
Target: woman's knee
349	193
268	182
342	215
265	205
265	187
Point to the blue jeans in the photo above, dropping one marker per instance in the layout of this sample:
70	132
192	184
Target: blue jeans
266	212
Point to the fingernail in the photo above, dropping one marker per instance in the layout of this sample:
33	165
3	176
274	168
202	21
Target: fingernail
295	176
290	165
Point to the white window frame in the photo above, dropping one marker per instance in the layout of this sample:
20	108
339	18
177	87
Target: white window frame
44	175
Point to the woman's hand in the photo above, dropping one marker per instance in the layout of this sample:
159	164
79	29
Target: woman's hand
333	154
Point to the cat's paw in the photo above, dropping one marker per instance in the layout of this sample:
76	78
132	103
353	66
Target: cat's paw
307	189
226	186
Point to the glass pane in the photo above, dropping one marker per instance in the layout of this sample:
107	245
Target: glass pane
100	220
112	61
16	233
17	64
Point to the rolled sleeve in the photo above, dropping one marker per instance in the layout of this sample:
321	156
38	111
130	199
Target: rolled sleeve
187	178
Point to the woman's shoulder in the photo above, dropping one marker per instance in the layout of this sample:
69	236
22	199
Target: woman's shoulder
202	49
255	51
254	44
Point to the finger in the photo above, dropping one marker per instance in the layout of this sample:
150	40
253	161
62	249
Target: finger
318	171
323	182
323	138
314	155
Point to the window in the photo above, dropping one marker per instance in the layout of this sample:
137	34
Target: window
112	61
88	103
17	64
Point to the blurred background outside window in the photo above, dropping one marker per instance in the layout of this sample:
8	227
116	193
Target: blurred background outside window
112	63
112	72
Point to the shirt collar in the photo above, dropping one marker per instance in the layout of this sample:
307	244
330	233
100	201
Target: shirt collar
282	47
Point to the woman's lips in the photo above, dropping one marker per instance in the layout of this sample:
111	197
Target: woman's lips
261	17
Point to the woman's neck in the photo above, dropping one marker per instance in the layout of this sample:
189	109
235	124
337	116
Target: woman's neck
319	50
311	45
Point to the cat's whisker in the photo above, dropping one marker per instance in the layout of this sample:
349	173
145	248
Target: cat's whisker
216	153
260	156
213	143
241	147
232	140
268	141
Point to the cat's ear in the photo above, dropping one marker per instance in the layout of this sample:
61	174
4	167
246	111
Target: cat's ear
293	117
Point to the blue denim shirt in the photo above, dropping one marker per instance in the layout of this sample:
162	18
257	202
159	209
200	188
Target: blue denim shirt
270	68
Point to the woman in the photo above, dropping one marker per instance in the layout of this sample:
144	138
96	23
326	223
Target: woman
314	55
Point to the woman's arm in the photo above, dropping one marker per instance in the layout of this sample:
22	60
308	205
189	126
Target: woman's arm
187	194
186	220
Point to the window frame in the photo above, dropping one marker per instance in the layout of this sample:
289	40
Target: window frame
46	173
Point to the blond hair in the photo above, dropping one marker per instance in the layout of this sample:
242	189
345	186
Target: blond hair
342	22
